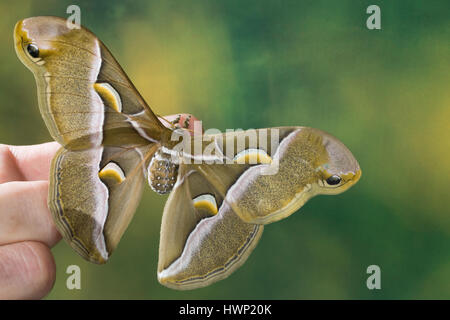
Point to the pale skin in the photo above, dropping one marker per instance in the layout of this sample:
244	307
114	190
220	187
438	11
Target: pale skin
27	231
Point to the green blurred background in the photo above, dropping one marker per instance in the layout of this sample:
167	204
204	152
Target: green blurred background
253	64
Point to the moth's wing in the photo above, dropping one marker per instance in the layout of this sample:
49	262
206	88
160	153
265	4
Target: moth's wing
288	166
93	195
85	97
92	109
278	181
300	158
199	246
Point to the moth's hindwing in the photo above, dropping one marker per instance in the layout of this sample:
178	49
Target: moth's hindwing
202	239
93	210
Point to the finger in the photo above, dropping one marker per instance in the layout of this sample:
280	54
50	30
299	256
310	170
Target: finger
27	270
24	214
21	163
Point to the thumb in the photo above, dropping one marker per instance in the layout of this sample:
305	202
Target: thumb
27	270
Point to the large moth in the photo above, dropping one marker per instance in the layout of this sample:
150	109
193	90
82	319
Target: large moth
112	143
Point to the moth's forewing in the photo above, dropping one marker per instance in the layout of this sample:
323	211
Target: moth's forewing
106	129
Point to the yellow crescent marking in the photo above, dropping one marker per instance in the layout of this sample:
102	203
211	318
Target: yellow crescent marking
112	171
253	156
206	202
108	93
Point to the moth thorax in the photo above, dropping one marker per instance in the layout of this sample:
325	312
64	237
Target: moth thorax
162	173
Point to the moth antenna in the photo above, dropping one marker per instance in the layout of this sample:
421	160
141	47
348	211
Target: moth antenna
186	122
177	119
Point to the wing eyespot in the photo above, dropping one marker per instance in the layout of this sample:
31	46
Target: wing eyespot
33	50
333	180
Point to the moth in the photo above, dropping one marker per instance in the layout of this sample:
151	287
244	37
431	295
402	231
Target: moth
112	144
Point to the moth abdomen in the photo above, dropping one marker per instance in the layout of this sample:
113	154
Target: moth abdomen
162	173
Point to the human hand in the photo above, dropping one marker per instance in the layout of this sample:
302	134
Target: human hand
27	231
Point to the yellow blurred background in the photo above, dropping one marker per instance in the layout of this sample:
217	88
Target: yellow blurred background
255	64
